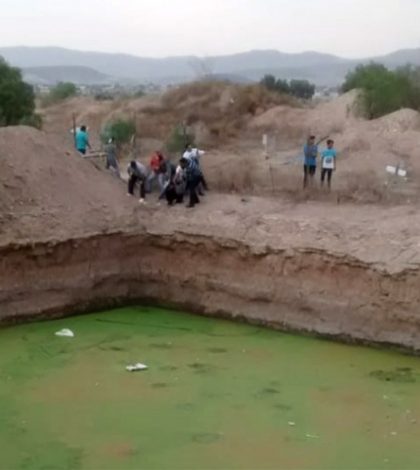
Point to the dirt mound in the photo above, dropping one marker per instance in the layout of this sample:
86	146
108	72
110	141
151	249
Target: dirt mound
44	188
216	111
294	124
399	121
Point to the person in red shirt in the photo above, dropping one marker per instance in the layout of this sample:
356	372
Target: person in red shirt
157	171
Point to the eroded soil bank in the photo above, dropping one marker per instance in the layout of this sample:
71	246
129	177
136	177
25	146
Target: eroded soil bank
245	271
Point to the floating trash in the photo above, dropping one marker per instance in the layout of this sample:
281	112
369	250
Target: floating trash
136	367
65	333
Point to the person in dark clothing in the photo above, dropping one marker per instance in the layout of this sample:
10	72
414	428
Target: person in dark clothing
193	178
137	174
195	153
172	189
111	157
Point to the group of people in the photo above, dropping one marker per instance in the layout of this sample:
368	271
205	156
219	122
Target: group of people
328	161
187	179
174	181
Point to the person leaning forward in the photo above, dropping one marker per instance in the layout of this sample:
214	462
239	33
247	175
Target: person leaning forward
137	173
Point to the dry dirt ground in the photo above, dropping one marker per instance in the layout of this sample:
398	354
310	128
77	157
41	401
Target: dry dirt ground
51	193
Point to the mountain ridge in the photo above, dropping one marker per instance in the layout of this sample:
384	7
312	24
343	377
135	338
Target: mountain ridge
322	68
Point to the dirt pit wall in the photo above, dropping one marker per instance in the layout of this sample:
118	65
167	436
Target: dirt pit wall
295	289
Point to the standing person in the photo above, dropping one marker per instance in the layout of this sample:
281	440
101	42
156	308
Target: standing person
111	157
310	151
179	183
191	152
82	140
157	171
137	174
193	178
195	153
328	163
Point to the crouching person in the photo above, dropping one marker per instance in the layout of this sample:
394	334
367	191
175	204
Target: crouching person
176	186
137	173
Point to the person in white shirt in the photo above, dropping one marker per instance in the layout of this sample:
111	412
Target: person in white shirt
191	152
196	154
329	162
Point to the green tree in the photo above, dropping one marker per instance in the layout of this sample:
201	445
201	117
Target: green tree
363	75
302	89
17	98
62	91
383	90
412	73
298	88
269	82
282	86
122	130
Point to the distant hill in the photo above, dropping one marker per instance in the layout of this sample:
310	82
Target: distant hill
402	57
323	69
50	75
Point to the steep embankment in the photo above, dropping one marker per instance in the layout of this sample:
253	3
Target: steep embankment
345	271
302	289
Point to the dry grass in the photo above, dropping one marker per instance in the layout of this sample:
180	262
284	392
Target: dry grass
223	108
252	175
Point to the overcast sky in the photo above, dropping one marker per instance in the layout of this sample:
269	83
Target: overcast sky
350	28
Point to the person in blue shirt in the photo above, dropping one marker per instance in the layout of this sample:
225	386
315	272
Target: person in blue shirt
328	163
310	151
82	140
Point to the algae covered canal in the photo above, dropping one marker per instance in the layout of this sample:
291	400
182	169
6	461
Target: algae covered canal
217	395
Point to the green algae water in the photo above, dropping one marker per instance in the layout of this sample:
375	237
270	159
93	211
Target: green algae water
217	395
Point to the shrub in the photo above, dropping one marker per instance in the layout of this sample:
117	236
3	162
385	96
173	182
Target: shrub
121	130
139	93
298	88
60	92
63	90
103	96
178	139
35	120
17	98
302	89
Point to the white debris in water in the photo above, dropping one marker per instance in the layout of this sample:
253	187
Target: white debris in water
136	367
291	423
65	333
312	436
